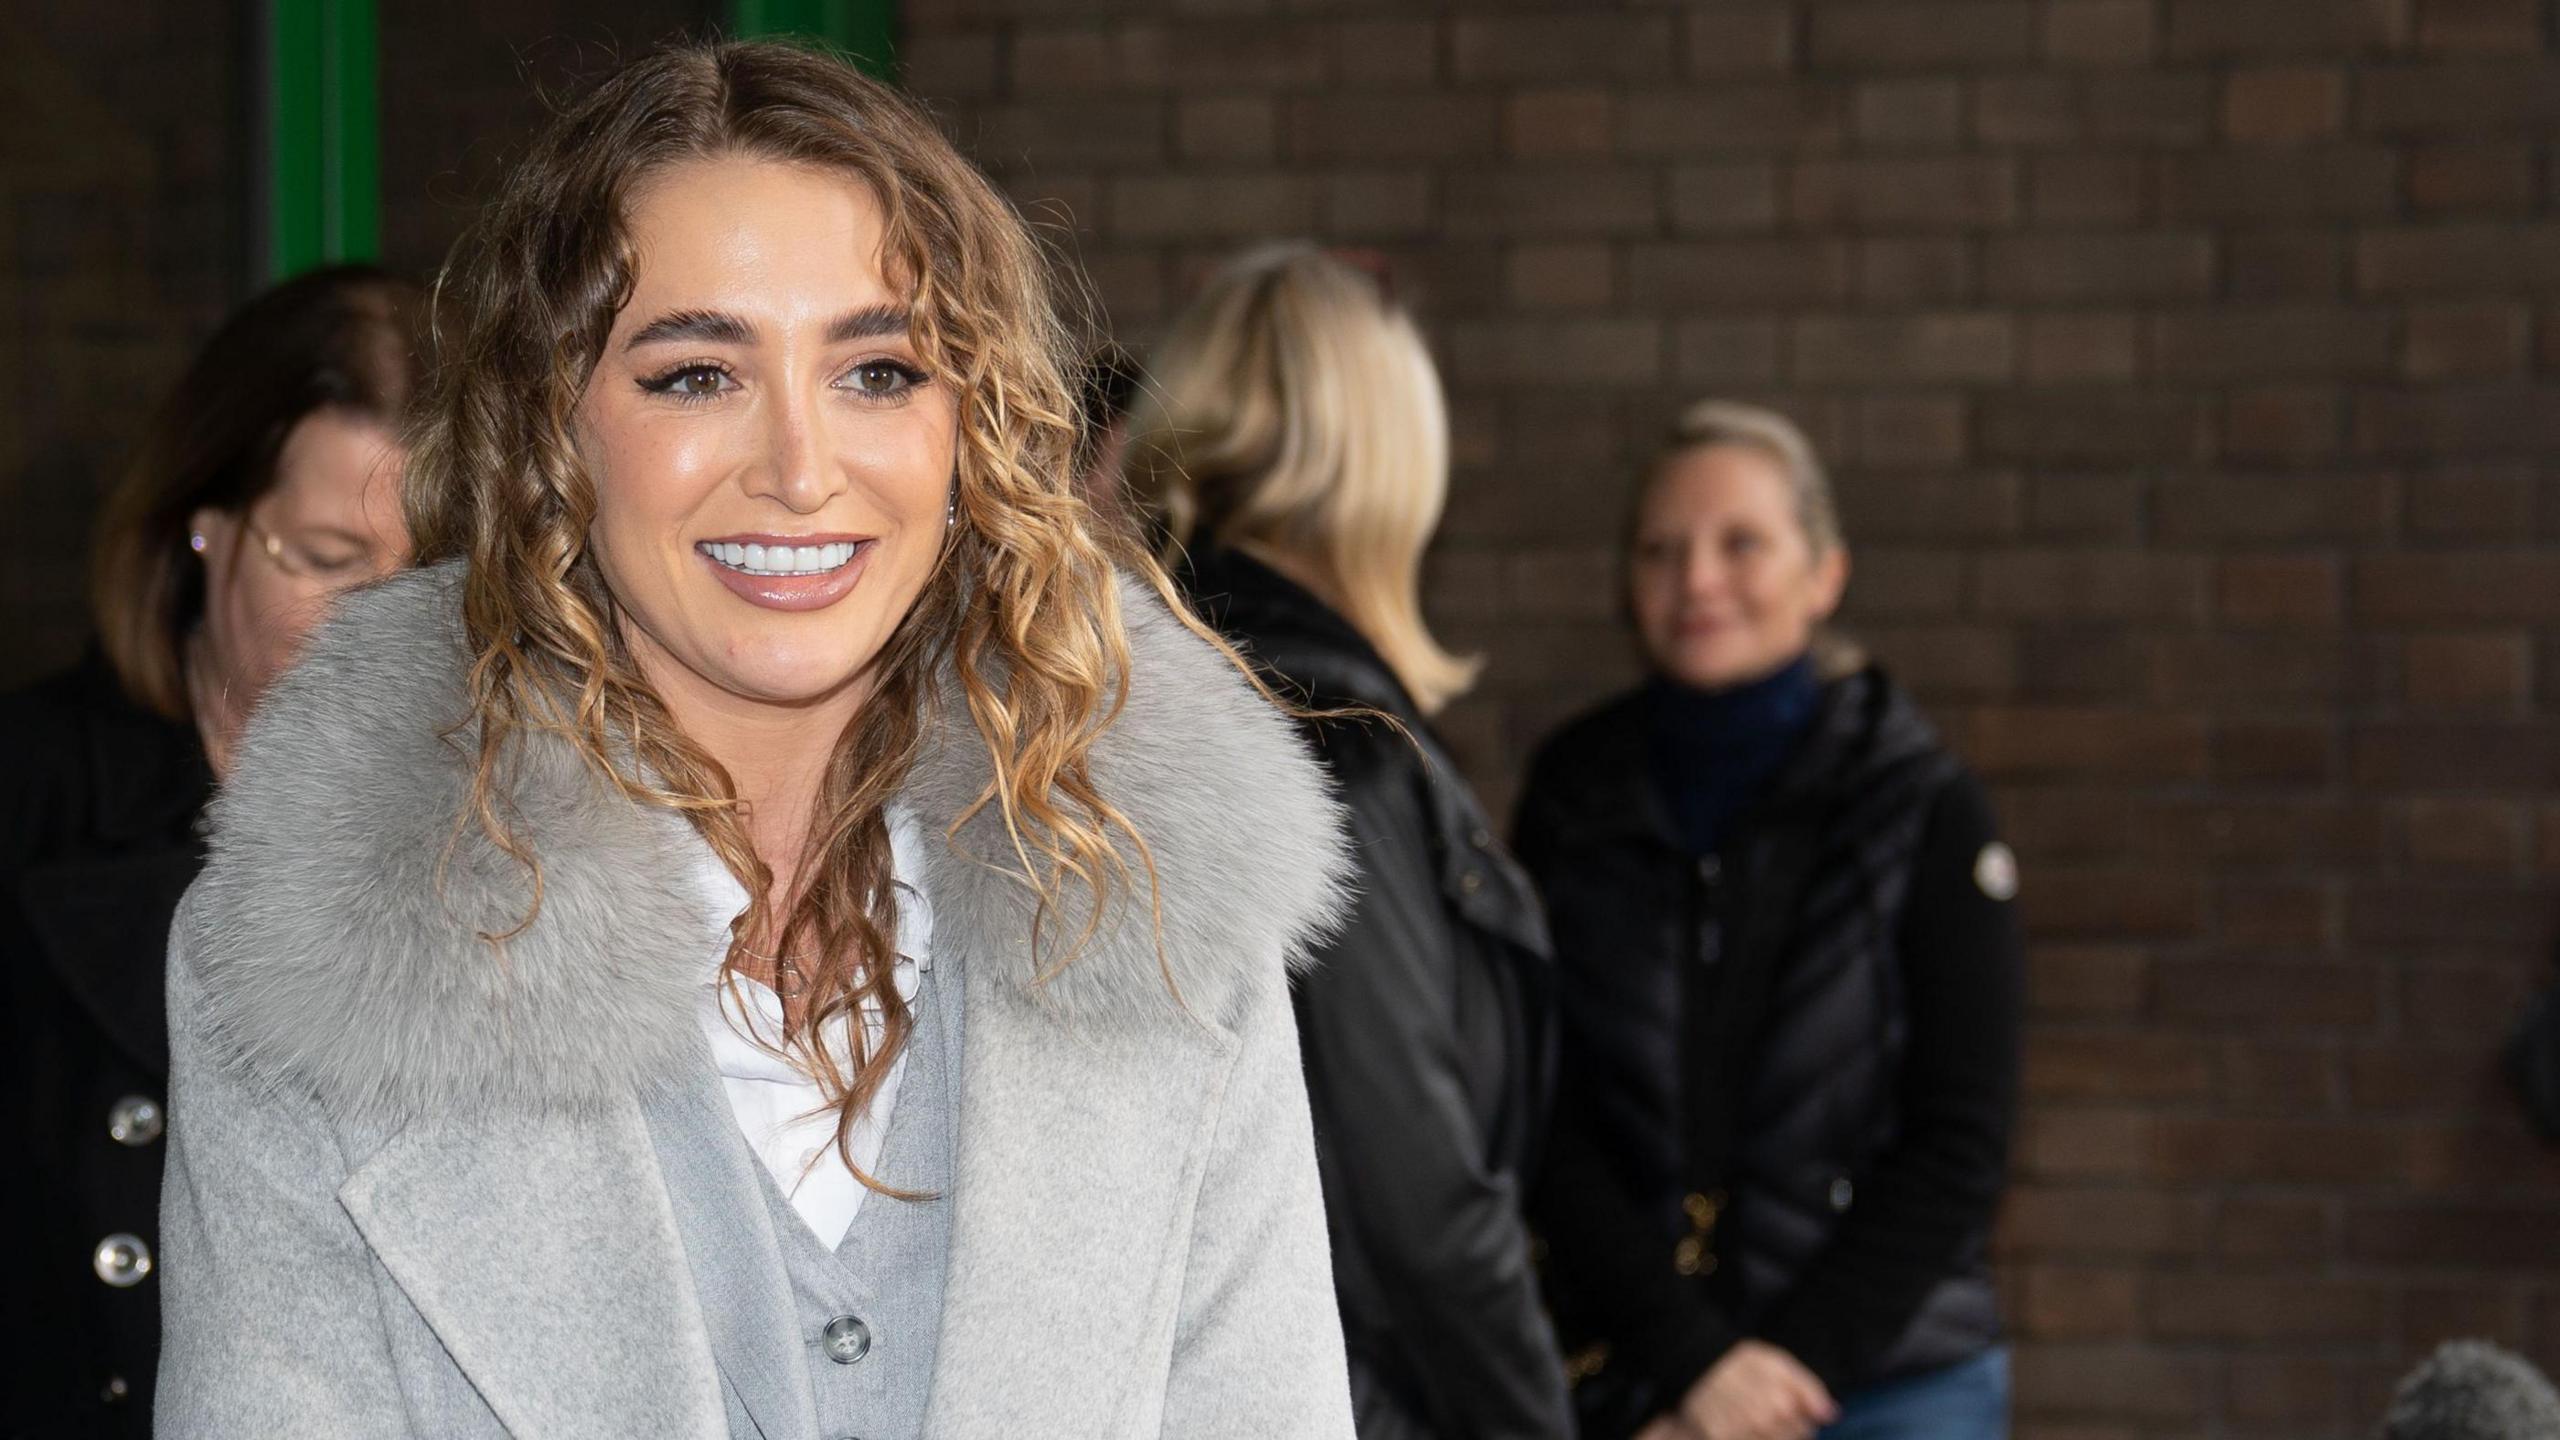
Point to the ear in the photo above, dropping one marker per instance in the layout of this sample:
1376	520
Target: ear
220	528
1830	581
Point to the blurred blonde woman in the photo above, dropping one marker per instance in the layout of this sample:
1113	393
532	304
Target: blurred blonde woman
1293	445
754	938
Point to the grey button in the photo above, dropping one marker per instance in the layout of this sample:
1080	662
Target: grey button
134	1120
115	1390
1842	1192
122	1260
1480	837
847	1339
1709	867
1472	881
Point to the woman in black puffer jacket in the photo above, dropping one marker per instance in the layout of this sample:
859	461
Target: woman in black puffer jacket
1789	975
1293	440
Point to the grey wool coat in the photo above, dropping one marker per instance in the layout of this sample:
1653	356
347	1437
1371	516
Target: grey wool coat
412	1189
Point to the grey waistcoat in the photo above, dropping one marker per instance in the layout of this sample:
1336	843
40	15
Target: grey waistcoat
809	1340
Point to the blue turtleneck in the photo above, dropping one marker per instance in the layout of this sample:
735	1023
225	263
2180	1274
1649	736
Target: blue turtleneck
1715	751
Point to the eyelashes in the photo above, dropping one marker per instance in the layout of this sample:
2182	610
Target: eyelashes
696	382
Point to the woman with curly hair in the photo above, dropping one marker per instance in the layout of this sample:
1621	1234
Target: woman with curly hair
768	932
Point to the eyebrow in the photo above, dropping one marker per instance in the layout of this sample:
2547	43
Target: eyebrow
716	327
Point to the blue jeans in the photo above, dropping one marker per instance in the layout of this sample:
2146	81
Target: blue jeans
1968	1400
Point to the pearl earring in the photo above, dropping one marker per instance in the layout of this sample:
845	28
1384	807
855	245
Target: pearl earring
195	541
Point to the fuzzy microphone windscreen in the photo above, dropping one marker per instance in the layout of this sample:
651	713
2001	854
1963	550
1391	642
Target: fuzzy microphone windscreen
2472	1390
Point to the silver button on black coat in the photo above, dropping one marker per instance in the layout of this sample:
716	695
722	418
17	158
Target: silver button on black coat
134	1120
122	1260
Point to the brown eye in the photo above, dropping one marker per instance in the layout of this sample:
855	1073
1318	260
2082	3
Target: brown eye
882	380
690	382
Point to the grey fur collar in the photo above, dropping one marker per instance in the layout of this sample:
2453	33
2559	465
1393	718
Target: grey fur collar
334	962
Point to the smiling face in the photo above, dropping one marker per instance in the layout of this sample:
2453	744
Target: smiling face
772	463
1727	585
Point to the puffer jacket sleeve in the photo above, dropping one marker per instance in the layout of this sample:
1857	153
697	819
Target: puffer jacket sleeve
1257	1351
271	1322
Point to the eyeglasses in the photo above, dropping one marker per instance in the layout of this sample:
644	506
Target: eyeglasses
298	563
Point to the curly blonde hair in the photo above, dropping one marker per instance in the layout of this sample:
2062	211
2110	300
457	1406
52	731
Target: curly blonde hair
1023	606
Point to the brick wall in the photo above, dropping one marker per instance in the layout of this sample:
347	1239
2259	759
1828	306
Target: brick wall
2192	368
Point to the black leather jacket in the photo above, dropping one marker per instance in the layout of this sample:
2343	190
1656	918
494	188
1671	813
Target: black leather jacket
1424	1027
1790	1067
98	809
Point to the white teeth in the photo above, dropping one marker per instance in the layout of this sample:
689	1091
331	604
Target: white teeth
782	559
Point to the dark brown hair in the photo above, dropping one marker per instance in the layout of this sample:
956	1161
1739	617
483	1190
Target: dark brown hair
340	338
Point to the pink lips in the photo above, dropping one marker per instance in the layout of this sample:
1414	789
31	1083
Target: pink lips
793	592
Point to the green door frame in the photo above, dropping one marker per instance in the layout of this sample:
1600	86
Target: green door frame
323	152
863	31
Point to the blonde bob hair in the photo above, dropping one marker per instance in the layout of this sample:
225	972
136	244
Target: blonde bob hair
1293	411
1022	608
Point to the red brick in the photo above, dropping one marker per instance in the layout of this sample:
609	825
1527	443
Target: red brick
2078	1142
1918	34
2258	590
2066	821
2082	345
2471	101
2284	106
2150	107
1579	200
1941	662
2080	1302
2488	418
2293	1152
2033	109
2277	1078
2477	504
2286	1392
2283	422
2284	265
2124	1066
2470	1236
2481	259
2101	32
2489	26
2051	740
2401	1075
1922	270
2270	669
1726	352
2082	187
2114	1380
1716	198
1906	114
2465	341
2217	28
1378	204
2281	506
1903	428
1924	348
2108	1222
2235	343
2447	912
1569	275
1255	54
952	64
2080	663
2250	750
1374	128
2256	995
2094	426
2476	179
2286	915
1193	207
1735	115
1561	47
2433	1314
1552	351
2476	755
2087	981
1737	274
1940	507
1942	192
2464	834
2089	509
1543	124
1385	52
2099	267
2109	585
1077	132
2326	184
1750	35
1241	127
2257	1229
2467	673
1908	583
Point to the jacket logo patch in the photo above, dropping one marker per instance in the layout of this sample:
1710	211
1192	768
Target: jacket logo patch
1995	871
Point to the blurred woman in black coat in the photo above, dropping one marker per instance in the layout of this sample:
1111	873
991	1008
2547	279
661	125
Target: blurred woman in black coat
1293	438
267	483
1789	975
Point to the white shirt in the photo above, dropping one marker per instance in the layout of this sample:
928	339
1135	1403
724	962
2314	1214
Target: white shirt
778	1106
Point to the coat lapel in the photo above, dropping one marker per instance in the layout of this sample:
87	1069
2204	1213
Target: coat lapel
735	1257
1079	1157
543	1252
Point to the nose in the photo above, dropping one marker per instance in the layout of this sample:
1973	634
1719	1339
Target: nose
797	464
1702	571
